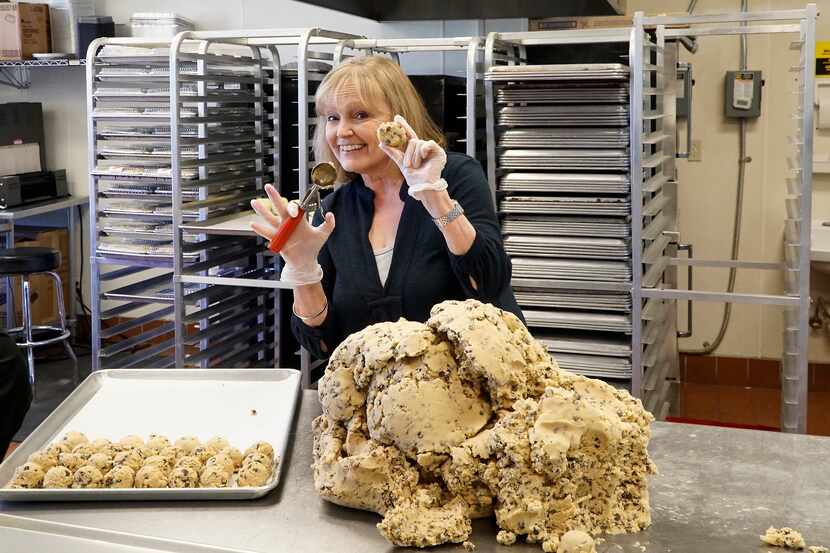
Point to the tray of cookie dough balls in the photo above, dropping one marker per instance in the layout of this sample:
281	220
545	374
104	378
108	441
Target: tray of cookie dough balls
159	434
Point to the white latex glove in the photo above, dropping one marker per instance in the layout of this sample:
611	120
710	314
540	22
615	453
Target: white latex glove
301	250
421	164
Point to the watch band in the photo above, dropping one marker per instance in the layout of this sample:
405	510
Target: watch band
453	214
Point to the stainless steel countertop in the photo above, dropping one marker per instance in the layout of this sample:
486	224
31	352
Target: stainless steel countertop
717	490
21	212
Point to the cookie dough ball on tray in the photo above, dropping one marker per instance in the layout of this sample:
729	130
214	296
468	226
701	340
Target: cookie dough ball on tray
190	462
158	461
72	461
28	476
131	458
188	443
150	476
88	477
184	477
255	457
57	477
172	453
214	477
234	454
43	459
121	476
132	440
263	448
203	453
393	135
157	442
55	449
253	474
74	439
218	443
101	461
84	451
222	461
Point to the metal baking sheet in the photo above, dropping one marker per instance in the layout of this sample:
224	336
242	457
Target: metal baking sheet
21	534
575	299
565	137
569	93
595	366
548	225
584	343
560	246
592	183
238	224
564	159
577	320
566	205
242	405
566	72
570	269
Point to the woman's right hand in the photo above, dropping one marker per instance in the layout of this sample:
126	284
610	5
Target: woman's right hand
301	250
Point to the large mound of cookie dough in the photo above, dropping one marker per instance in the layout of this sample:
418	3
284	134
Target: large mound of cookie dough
466	416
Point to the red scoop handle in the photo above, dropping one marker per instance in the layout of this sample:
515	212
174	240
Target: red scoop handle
285	231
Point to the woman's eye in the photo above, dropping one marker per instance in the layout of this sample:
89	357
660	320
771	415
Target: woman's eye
331	118
361	115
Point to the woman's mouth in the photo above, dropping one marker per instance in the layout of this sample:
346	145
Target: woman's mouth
349	148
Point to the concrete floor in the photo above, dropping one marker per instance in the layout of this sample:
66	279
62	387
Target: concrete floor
54	383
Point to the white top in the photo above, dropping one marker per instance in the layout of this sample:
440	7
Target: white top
383	258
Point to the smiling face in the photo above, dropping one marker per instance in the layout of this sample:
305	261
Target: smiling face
351	132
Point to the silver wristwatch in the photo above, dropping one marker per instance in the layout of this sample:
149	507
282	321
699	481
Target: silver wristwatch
453	214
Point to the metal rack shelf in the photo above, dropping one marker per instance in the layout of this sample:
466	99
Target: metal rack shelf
43	63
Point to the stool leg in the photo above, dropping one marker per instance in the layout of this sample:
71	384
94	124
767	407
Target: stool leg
27	331
62	324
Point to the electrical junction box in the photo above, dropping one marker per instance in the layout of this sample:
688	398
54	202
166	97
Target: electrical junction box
743	94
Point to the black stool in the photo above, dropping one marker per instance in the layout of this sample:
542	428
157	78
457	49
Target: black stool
23	263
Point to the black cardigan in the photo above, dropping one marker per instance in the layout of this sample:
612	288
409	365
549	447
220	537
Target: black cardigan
423	271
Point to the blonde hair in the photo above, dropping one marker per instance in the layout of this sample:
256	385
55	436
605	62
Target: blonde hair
376	79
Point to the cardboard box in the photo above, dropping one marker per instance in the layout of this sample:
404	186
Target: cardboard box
42	288
24	30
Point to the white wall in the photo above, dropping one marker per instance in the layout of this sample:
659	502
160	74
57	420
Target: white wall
62	90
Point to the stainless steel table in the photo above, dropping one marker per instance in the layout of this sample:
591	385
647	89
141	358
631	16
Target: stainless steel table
8	217
717	491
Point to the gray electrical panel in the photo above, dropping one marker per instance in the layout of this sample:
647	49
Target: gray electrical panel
743	94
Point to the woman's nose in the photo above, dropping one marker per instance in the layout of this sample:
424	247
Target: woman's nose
344	129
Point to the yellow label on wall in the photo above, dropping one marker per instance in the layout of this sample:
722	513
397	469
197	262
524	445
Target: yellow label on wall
823	58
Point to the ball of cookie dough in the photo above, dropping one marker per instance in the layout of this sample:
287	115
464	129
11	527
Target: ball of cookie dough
261	447
576	541
28	476
234	454
73	439
101	461
57	477
218	443
88	477
255	457
222	461
188	443
157	442
191	462
41	458
121	476
184	477
393	135
84	451
132	440
100	445
203	453
253	474
157	460
131	458
150	476
55	449
72	461
172	453
214	477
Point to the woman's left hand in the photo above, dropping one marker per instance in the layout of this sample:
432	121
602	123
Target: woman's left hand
421	165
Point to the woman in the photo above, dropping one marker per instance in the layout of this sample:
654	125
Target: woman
416	227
